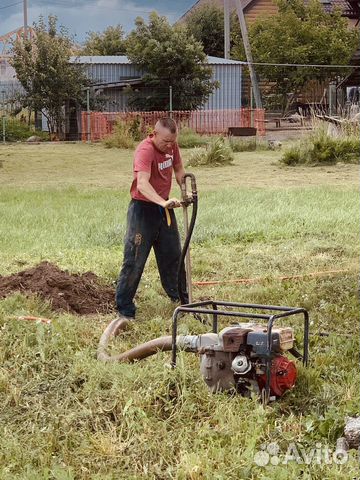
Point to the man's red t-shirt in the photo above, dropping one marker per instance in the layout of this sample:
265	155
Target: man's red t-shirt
160	165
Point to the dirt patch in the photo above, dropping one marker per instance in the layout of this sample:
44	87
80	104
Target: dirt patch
81	294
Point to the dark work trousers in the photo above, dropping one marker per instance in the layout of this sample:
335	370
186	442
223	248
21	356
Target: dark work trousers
147	227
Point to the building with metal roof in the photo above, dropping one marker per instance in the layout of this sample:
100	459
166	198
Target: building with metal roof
112	75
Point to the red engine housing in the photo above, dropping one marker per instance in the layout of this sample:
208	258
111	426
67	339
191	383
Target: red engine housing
282	377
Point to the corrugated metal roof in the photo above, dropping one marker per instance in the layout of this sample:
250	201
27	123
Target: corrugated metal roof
119	59
122	59
223	61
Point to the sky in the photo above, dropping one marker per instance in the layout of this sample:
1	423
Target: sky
81	16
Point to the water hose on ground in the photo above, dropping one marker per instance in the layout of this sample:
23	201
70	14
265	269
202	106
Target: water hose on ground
188	343
137	353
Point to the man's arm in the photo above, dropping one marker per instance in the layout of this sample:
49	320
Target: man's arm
145	188
179	172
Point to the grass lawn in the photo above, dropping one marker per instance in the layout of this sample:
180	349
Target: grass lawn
66	416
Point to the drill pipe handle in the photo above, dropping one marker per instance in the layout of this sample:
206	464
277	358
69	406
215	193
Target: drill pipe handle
183	186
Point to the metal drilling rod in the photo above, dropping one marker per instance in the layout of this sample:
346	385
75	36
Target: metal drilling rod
186	231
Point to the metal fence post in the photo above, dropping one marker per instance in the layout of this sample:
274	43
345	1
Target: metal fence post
4	128
251	107
170	101
88	137
4	109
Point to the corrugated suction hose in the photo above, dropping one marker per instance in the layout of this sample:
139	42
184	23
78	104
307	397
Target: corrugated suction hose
139	352
188	343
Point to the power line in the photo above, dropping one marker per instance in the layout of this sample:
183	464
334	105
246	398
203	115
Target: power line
299	65
10	5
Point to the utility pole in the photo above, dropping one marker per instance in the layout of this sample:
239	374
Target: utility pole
25	20
244	34
226	29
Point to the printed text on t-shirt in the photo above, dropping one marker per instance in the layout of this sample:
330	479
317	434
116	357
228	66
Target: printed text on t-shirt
165	164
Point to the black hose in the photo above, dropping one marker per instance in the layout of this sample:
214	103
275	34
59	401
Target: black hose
181	269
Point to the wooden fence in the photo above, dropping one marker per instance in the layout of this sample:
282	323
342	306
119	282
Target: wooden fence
101	124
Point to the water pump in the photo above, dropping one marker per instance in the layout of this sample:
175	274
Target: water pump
243	357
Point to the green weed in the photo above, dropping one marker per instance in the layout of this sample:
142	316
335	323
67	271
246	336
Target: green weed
217	153
122	136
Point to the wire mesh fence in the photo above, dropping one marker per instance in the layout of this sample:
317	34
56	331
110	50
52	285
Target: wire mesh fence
96	126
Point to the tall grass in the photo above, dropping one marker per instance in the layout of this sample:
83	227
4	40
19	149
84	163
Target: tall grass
189	139
248	145
326	145
122	136
217	153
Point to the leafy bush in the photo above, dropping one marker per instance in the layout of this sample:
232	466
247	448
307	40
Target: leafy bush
136	129
216	153
19	131
189	139
322	147
122	136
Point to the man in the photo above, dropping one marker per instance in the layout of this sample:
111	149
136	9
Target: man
151	220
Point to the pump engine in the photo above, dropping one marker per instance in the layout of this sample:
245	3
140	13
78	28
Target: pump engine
235	358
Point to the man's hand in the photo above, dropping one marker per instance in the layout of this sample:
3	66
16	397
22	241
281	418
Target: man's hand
171	203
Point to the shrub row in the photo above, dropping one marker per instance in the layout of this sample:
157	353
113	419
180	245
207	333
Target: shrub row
18	131
324	147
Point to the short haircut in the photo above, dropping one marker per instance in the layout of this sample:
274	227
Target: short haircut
167	122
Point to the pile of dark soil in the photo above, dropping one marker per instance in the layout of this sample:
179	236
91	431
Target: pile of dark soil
81	294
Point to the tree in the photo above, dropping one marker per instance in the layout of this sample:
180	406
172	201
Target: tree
206	24
302	34
169	56
43	68
109	42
